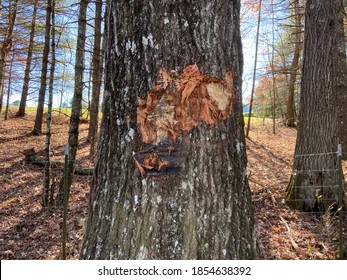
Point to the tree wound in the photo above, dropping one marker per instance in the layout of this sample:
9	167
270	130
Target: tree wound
178	103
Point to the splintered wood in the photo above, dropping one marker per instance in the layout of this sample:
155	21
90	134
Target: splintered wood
174	106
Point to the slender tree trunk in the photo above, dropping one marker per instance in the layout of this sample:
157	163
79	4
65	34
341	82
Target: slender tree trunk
191	200
78	91
23	100
314	185
41	99
274	88
90	80
97	76
6	47
294	67
62	90
9	89
46	189
254	73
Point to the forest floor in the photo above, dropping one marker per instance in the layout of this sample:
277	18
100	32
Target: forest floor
28	232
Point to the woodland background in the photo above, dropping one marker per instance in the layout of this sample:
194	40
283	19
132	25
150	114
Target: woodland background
51	77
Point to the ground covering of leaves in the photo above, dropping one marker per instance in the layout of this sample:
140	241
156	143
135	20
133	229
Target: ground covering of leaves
28	232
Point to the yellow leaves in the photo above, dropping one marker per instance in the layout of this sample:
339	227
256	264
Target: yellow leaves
8	202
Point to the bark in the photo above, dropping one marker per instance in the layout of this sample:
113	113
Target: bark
9	89
202	209
46	189
6	47
22	104
274	87
312	187
78	91
97	76
341	85
43	80
294	68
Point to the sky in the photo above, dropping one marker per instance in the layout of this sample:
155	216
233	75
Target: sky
248	31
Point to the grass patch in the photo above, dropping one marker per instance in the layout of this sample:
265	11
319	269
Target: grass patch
31	111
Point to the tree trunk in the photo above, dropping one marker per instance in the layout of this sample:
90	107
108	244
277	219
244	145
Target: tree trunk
9	89
97	76
342	86
46	195
170	179
78	92
41	100
274	87
294	67
23	100
312	187
6	47
254	73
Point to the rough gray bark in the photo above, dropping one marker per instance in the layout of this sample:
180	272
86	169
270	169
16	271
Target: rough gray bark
6	47
43	80
341	85
97	76
204	210
22	104
317	131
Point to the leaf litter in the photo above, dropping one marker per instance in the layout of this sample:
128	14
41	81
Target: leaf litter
28	232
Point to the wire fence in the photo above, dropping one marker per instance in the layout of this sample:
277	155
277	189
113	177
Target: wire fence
329	224
320	192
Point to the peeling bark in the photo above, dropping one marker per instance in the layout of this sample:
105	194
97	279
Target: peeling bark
204	211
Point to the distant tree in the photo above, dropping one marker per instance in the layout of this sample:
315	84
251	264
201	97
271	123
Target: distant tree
312	186
9	89
291	116
43	85
25	89
254	72
6	45
15	103
170	180
97	76
78	92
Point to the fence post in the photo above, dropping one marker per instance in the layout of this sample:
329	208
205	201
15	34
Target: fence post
65	200
341	185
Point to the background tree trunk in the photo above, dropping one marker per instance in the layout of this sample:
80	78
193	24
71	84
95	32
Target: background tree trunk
23	100
9	88
6	47
78	93
41	99
294	66
317	131
254	73
97	76
204	211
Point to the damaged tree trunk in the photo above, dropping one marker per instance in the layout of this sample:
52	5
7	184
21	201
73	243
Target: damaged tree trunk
170	180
